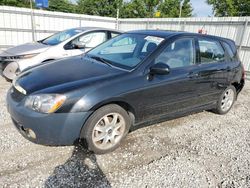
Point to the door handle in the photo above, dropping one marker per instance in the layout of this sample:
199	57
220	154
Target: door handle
193	75
228	69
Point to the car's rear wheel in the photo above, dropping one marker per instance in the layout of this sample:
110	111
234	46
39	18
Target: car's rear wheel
105	128
226	100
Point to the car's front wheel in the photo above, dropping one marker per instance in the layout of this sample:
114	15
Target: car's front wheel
11	71
105	128
226	100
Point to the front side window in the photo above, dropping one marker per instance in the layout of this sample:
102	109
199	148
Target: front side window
211	51
180	53
61	36
90	40
126	50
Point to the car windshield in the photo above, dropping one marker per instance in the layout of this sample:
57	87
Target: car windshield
127	50
60	37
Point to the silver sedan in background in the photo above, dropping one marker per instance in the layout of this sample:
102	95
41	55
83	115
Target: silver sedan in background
63	44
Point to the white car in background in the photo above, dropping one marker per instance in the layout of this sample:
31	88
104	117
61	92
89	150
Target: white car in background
63	44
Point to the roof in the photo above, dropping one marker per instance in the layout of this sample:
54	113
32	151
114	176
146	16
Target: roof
95	28
157	33
166	34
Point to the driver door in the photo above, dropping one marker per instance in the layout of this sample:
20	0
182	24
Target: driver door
86	42
176	91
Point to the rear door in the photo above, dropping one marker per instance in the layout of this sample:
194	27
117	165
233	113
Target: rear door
214	70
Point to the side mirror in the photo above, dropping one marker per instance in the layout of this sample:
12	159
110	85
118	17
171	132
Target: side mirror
160	68
79	46
74	46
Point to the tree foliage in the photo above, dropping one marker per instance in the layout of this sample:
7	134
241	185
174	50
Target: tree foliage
16	3
62	6
133	9
98	7
147	8
151	6
230	7
171	8
54	5
128	9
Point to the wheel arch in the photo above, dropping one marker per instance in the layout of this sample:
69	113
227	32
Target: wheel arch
238	85
49	59
123	104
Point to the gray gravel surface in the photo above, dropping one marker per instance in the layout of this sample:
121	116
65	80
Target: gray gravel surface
199	150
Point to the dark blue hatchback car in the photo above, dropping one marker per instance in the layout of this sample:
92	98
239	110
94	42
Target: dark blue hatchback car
136	78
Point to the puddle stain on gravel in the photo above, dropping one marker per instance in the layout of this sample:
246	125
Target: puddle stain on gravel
80	170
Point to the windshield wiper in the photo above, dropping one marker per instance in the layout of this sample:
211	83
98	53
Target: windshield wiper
100	59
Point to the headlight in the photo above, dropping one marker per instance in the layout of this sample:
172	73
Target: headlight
45	103
26	56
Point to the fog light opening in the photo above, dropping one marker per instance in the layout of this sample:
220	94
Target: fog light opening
28	132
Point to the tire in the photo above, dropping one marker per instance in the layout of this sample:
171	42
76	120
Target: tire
10	71
105	129
225	104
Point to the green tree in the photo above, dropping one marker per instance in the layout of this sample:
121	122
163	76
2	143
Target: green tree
151	6
171	8
133	9
230	7
16	3
62	6
187	9
97	7
54	5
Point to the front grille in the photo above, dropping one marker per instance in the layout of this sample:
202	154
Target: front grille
16	95
9	58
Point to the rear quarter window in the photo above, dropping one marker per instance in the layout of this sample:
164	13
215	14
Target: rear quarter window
211	51
231	51
114	34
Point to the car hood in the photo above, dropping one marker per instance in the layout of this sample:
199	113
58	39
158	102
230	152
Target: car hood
64	75
28	48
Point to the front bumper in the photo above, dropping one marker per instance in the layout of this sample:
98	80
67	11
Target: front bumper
55	129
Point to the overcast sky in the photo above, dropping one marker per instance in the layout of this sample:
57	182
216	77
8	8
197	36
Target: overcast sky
201	8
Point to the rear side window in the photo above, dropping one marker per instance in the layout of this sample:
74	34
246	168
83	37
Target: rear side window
211	51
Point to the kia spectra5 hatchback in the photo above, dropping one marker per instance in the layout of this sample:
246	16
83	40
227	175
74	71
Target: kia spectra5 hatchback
136	78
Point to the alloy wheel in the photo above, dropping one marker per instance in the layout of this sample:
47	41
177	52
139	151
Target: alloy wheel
108	131
227	100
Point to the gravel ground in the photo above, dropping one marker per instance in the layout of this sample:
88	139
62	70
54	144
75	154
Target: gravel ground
199	150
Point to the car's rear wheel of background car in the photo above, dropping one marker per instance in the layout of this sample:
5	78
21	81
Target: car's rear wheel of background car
226	100
106	128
